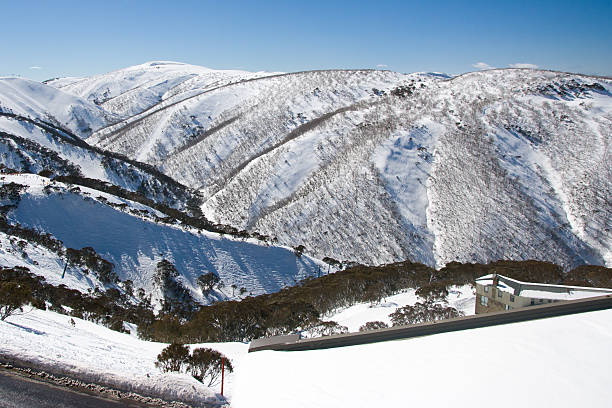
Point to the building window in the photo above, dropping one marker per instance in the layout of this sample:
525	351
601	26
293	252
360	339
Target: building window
511	298
541	300
499	293
508	307
486	289
533	301
484	301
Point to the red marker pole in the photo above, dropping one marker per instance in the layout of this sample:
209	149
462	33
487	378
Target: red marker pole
222	373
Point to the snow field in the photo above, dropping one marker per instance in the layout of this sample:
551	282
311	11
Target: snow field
461	298
503	164
561	362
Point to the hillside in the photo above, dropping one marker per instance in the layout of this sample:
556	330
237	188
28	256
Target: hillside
356	165
134	238
376	166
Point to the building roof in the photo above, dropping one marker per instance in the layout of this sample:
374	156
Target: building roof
541	290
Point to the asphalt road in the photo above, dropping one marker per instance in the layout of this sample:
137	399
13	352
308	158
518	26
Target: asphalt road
23	392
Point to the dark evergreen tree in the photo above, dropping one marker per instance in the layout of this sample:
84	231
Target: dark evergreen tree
207	281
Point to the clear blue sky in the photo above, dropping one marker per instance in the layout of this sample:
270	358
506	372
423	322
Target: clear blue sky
43	39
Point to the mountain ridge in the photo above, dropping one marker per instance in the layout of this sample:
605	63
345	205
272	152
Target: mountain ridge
377	167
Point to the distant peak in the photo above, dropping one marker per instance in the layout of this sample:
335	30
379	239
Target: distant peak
158	63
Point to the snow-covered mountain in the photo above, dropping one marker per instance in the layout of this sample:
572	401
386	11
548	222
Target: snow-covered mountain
362	165
131	214
132	90
376	166
35	100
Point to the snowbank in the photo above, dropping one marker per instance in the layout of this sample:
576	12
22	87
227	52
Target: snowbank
96	354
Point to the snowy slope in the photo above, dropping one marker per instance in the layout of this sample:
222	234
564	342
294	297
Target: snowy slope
461	298
437	177
132	90
35	100
561	361
96	354
376	166
30	146
129	235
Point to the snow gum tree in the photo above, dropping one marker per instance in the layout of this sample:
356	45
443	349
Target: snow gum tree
13	296
173	358
205	364
177	298
207	281
375	325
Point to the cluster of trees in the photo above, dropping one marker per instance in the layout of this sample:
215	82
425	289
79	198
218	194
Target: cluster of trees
32	155
422	312
294	308
207	281
375	325
18	287
31	235
404	91
177	300
570	89
88	257
111	160
204	364
13	296
11	192
589	275
529	271
298	307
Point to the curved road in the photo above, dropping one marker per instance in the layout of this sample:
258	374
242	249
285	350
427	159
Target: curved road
22	392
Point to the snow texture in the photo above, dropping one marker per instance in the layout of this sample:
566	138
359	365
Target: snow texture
561	362
363	165
134	242
376	166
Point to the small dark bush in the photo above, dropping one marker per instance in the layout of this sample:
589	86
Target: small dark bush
45	173
373	326
326	328
175	357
